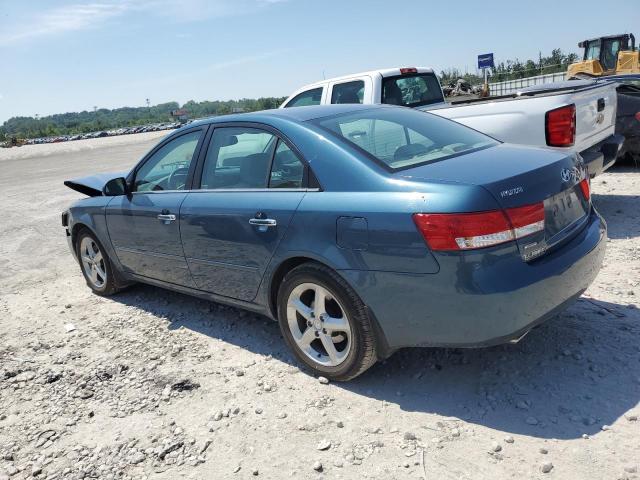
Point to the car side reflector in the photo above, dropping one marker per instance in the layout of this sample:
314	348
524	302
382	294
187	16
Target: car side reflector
585	187
466	231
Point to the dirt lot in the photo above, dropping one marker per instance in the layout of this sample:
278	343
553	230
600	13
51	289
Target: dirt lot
152	384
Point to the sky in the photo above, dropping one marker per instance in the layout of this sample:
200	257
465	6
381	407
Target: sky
61	56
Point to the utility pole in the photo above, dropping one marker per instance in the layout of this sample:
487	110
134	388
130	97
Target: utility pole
540	61
148	103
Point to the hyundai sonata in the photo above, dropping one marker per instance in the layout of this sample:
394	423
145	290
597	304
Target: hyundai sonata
360	229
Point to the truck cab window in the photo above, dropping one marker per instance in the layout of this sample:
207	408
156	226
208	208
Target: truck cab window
304	99
348	92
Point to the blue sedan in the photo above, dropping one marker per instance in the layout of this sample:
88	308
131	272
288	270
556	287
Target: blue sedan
360	229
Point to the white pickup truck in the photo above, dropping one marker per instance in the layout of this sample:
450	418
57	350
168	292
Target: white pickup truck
577	116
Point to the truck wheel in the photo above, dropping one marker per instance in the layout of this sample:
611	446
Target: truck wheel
325	323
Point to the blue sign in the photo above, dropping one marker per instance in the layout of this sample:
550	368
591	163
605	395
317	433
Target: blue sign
485	60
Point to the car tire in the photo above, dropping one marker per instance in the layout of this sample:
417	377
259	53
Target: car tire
347	346
95	264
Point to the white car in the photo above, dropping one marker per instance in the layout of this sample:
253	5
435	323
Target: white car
577	116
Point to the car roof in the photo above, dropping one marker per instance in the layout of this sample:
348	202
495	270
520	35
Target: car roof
383	72
297	114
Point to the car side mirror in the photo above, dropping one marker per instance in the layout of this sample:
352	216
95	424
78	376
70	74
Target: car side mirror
115	187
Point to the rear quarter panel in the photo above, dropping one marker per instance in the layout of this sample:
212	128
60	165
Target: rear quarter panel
374	230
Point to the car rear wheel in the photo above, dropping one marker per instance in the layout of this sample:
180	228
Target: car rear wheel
325	323
95	264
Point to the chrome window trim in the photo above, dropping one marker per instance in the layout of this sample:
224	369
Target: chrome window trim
249	190
228	190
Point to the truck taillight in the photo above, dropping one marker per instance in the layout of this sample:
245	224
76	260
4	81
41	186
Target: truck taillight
466	231
560	126
407	70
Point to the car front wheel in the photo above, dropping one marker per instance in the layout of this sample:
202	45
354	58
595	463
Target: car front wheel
95	264
325	323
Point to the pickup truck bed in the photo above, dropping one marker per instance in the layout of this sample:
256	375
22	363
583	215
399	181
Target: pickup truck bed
522	118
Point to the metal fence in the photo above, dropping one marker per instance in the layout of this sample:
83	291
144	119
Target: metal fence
512	86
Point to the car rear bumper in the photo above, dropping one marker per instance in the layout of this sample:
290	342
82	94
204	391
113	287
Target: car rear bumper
481	298
602	155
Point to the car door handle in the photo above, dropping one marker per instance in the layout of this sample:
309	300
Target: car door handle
263	222
166	218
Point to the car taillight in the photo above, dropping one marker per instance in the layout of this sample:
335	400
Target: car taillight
465	231
405	71
560	126
638	116
586	191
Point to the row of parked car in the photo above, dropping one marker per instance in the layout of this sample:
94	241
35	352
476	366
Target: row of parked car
106	133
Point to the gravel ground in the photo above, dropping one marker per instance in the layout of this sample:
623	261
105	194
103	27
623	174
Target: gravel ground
153	384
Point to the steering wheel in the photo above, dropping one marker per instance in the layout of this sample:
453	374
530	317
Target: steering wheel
178	178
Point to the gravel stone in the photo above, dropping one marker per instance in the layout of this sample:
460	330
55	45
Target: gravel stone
546	467
137	457
324	444
317	466
323	380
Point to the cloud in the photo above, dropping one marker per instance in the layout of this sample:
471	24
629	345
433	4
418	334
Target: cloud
83	16
64	19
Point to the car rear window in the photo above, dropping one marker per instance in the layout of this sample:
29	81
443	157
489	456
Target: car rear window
415	90
403	138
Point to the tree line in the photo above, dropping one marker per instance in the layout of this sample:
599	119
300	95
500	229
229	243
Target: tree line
106	119
558	61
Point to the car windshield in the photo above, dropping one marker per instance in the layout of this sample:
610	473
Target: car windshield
415	90
402	138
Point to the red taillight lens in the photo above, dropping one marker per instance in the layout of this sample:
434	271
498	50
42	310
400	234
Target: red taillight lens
526	220
465	231
638	116
561	126
404	71
585	187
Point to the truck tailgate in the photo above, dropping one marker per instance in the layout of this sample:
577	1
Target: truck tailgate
595	114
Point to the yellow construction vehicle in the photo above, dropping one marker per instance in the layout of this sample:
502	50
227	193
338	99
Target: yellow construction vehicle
612	55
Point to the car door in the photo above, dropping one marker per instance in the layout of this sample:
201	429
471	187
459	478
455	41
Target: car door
251	183
143	225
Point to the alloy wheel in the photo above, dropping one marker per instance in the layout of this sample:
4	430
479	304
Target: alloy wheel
93	262
319	324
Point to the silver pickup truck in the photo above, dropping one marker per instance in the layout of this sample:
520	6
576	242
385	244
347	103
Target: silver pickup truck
578	116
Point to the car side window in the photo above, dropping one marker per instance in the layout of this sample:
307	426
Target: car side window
168	168
238	157
287	171
348	92
304	99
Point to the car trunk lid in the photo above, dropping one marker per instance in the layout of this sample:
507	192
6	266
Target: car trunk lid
520	176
